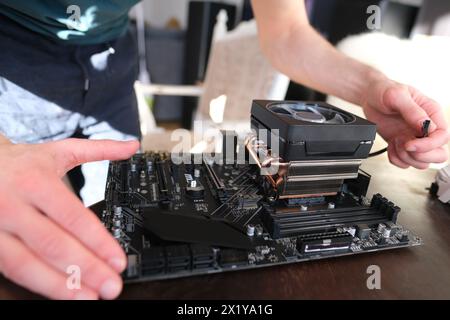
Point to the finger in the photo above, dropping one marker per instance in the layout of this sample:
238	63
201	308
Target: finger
431	107
438	155
62	206
61	250
400	100
436	139
73	152
20	265
394	159
404	156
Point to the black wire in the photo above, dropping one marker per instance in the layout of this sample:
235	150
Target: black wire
377	153
425	128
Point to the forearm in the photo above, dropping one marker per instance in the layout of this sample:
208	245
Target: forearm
305	57
297	50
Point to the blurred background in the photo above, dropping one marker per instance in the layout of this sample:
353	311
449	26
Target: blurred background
200	60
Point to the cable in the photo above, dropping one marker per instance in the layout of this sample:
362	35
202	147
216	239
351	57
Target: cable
425	129
377	153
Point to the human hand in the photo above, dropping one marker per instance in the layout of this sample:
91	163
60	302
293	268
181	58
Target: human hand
399	112
44	228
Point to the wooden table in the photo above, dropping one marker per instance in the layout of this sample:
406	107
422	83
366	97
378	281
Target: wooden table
417	273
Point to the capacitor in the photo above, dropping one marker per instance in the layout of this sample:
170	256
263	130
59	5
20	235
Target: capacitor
116	232
197	173
250	230
133	167
116	222
193	184
118	212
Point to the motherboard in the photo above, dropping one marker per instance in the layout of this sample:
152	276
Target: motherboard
292	190
177	220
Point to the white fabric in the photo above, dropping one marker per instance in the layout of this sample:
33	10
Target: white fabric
443	181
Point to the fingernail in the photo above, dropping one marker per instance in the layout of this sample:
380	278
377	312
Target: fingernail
84	295
118	264
110	289
411	149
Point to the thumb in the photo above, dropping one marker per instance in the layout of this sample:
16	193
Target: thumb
70	153
400	99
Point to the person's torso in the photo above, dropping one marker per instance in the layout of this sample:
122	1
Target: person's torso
71	21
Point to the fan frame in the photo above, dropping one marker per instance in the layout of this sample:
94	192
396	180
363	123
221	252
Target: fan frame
347	117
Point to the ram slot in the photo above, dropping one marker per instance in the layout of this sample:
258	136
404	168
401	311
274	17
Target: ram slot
164	182
123	176
217	183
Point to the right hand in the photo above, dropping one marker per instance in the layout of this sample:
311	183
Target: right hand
399	112
44	228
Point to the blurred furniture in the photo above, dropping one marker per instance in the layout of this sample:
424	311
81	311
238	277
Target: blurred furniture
443	184
200	26
165	60
201	22
434	18
237	73
176	56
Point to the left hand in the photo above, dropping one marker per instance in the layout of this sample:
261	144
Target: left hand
399	112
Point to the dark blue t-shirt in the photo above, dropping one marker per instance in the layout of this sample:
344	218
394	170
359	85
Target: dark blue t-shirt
71	21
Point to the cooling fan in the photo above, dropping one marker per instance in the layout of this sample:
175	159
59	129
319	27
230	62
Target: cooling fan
310	113
312	130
